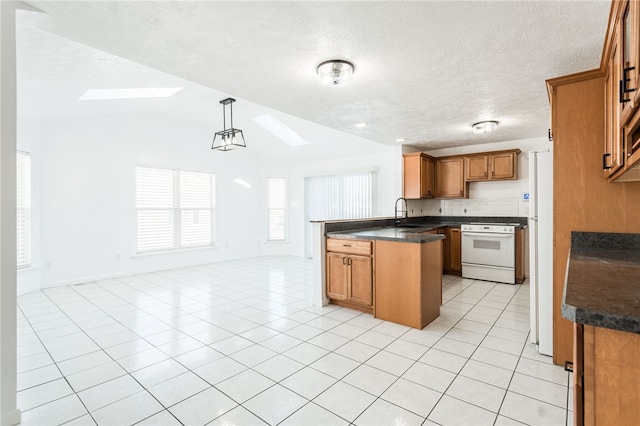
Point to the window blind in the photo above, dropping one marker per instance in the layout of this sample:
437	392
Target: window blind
23	213
340	196
276	209
174	208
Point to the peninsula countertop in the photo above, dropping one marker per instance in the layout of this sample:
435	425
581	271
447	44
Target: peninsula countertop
413	234
602	287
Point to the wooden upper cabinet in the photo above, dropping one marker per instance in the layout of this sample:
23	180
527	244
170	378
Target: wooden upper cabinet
613	157
504	165
477	167
419	176
450	182
626	36
498	165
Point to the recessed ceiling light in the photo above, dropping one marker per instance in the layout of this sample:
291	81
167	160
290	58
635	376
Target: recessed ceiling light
401	140
279	130
361	125
485	126
242	182
144	92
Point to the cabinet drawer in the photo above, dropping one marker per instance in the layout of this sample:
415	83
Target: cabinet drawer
349	246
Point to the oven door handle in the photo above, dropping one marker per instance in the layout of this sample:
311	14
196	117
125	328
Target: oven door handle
487	235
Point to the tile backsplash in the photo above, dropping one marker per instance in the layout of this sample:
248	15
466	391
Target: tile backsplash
488	206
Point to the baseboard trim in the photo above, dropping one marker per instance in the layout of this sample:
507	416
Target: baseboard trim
11	418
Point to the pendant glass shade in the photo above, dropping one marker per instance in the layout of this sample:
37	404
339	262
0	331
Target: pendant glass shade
228	138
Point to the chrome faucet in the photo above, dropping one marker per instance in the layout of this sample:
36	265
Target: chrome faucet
405	211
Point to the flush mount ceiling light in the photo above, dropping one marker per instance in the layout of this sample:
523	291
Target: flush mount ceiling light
228	139
335	73
484	126
361	125
401	140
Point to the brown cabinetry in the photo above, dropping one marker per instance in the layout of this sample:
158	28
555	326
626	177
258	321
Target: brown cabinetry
453	251
620	66
499	165
419	176
450	182
350	273
606	376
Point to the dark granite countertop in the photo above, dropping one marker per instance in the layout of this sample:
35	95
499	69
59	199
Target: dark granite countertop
392	233
602	286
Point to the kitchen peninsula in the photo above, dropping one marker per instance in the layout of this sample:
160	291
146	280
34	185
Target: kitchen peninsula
393	271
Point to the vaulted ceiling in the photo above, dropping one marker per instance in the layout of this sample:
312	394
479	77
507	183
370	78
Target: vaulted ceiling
424	71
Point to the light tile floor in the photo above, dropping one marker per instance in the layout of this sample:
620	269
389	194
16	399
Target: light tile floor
240	343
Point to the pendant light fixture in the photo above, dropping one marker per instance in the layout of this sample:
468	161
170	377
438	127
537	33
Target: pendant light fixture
228	138
335	73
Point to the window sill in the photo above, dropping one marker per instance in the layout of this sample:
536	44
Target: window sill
176	251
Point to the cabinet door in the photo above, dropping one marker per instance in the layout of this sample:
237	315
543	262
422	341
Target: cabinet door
337	276
613	158
427	177
412	182
361	282
455	250
504	166
450	178
627	58
477	168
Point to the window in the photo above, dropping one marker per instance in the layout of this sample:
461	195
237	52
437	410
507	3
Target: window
175	209
277	209
23	213
342	196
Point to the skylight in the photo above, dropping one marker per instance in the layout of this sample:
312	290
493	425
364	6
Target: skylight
279	130
138	93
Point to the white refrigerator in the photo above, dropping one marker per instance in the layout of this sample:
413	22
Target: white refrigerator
541	249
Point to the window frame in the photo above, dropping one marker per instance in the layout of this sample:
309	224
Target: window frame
176	209
285	209
28	240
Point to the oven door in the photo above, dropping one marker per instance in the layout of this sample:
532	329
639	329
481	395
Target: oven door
488	249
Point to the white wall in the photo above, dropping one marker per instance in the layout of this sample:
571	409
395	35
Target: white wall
499	198
387	163
86	177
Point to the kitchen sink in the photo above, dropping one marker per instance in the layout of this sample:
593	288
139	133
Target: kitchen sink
409	226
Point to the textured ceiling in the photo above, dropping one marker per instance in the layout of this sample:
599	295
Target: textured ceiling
424	71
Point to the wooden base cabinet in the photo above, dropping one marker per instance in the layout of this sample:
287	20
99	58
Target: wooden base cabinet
350	273
408	282
606	376
453	257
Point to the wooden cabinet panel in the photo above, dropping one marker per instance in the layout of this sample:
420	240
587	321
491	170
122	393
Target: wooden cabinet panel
606	376
455	250
450	181
476	167
613	158
408	282
498	165
419	176
504	166
336	276
361	283
349	246
350	273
